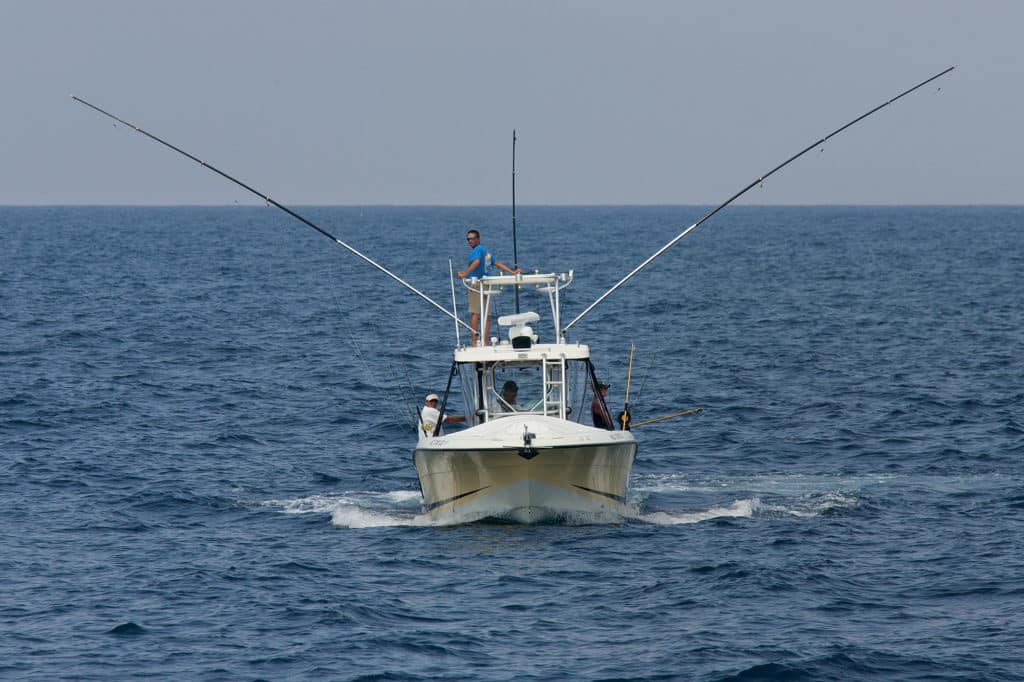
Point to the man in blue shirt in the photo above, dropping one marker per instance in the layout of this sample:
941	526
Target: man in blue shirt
479	264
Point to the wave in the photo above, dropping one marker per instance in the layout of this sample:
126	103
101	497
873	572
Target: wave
772	496
402	508
664	499
360	509
738	509
352	516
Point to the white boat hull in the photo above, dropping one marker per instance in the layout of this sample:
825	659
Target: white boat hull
566	472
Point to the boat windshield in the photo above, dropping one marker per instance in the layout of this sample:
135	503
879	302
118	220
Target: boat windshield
545	387
516	390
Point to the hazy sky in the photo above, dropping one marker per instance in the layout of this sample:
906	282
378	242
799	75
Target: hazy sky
403	102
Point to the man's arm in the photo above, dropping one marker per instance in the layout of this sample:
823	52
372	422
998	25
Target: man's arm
502	266
469	268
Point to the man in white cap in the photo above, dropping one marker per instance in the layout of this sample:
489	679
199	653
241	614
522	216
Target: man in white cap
429	416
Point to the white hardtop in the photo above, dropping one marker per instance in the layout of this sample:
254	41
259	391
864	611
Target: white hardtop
537	279
505	352
519	324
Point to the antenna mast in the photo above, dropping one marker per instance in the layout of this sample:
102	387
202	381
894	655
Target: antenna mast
515	244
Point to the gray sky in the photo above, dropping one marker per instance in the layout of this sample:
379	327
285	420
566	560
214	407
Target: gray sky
403	102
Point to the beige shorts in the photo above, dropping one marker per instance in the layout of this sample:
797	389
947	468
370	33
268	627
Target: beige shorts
474	300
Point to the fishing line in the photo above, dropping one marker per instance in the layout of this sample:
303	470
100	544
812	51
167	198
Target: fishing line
410	390
643	383
583	401
379	386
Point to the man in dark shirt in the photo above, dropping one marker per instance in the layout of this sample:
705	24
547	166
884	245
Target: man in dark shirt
598	409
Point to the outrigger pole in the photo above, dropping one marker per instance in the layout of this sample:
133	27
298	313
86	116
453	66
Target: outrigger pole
283	208
746	189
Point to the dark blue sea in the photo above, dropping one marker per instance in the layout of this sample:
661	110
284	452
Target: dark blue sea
206	439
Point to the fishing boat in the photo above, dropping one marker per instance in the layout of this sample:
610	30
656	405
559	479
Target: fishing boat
531	458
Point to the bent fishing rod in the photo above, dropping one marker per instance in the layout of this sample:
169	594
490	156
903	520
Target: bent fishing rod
746	189
284	208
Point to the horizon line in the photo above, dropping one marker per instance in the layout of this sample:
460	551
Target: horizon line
256	204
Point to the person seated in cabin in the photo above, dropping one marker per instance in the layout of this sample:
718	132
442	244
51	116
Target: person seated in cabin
430	415
599	409
507	401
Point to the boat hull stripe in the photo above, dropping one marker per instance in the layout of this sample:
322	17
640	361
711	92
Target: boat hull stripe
621	499
441	503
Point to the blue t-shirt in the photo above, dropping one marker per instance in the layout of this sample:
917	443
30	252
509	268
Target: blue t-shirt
484	266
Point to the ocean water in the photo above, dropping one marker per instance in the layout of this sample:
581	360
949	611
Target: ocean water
205	447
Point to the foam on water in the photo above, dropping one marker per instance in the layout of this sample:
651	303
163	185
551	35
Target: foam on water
790	496
778	484
371	509
353	516
401	508
738	509
778	496
826	503
326	502
360	509
314	504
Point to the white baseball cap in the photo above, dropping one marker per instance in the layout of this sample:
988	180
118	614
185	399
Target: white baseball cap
432	396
